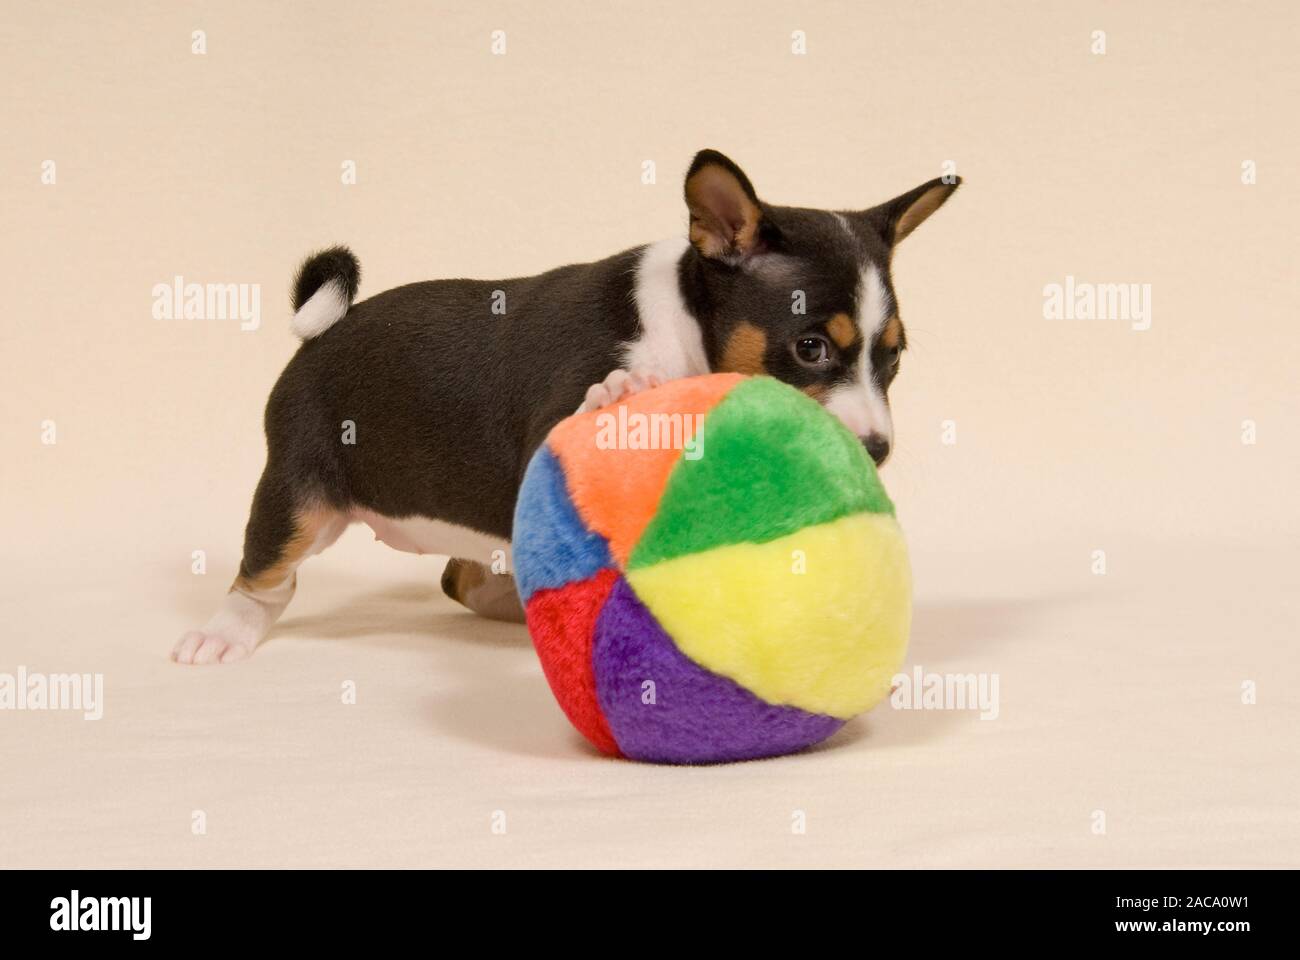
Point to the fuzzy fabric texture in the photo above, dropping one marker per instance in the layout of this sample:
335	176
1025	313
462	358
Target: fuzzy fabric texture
664	707
551	545
738	602
562	623
818	619
617	490
774	462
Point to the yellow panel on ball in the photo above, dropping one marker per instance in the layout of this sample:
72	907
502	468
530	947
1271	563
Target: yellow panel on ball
818	619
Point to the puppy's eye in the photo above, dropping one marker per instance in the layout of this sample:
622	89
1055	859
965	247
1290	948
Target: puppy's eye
891	356
812	350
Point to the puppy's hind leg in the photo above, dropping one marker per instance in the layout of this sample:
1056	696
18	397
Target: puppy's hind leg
491	595
284	529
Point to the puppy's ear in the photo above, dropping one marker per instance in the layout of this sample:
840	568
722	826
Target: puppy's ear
726	217
896	218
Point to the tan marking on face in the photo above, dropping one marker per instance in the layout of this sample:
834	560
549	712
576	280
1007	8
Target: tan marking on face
745	350
842	331
818	391
892	335
308	525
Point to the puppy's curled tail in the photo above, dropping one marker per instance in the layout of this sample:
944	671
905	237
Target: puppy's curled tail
323	290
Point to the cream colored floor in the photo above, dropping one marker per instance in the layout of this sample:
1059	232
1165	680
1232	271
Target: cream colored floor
1116	695
1119	693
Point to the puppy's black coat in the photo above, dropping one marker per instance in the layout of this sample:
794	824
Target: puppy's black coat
447	399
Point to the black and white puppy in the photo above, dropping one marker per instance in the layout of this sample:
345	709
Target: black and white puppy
416	411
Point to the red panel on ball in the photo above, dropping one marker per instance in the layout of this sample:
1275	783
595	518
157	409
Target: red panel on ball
562	622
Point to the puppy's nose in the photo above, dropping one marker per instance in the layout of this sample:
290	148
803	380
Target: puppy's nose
877	446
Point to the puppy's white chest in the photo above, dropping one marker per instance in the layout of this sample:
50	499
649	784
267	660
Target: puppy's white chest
670	343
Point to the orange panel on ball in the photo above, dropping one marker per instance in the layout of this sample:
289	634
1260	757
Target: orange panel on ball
617	461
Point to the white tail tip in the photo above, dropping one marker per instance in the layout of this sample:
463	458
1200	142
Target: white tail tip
323	309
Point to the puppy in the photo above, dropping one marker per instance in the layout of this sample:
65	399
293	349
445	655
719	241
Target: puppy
416	411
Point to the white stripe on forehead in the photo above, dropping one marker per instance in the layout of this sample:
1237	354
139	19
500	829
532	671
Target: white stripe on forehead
873	304
860	403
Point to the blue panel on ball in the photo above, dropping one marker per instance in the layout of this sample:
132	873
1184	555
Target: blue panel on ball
550	543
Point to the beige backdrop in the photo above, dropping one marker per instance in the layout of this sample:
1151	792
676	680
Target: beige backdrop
1120	693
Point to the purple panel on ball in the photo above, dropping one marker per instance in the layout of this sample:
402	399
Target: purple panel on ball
697	716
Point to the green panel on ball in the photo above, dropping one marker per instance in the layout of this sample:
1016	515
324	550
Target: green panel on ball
772	461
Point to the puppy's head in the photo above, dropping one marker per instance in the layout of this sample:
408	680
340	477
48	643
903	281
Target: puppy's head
802	295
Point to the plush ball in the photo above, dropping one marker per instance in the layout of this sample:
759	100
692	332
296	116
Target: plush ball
711	571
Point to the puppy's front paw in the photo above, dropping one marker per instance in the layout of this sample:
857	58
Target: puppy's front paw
200	647
619	385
